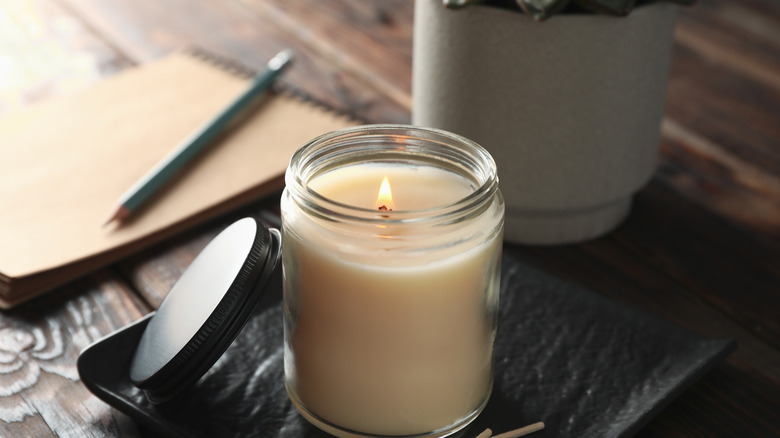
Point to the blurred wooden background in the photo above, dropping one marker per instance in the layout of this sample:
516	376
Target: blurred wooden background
701	248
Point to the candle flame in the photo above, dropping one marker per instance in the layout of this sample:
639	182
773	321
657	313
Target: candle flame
384	201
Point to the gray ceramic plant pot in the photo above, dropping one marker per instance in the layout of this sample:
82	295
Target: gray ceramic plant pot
570	108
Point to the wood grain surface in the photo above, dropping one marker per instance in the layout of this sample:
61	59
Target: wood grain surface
700	249
40	393
45	51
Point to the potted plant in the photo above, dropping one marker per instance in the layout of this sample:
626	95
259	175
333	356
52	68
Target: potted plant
569	107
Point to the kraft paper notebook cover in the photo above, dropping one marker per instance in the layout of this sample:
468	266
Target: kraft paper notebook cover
66	162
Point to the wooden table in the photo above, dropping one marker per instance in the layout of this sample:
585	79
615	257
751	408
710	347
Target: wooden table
701	248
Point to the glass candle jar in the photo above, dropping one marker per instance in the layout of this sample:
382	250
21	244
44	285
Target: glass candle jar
391	244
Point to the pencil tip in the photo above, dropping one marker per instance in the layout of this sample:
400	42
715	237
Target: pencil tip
120	213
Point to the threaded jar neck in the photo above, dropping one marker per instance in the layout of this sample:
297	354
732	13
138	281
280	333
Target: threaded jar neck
392	144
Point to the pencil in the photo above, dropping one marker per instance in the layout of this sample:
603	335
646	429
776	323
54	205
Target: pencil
161	173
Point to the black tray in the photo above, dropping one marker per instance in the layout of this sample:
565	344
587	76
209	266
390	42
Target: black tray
586	366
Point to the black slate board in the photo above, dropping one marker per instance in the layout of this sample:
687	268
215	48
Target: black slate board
586	366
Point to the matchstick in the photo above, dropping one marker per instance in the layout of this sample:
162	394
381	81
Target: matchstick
520	432
485	434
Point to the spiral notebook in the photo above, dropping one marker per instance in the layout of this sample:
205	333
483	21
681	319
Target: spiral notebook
67	160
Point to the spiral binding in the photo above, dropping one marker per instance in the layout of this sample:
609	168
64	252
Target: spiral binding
234	67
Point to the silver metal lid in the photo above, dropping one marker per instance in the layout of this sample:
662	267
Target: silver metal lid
205	310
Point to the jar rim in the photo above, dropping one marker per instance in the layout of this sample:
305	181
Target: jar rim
466	157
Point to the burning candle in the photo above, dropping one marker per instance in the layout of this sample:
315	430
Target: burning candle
391	257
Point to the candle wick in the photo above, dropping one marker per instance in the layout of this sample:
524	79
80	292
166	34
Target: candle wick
384	208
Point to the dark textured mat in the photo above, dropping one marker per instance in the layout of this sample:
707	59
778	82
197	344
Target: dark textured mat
586	366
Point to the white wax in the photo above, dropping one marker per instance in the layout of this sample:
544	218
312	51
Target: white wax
387	340
413	188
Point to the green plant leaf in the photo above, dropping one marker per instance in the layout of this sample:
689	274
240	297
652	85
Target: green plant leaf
542	9
614	7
